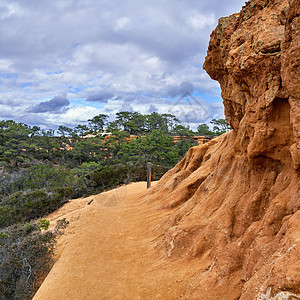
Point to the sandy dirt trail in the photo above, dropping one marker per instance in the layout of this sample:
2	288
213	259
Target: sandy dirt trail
109	251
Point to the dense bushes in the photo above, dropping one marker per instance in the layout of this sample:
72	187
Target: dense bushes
157	147
36	177
36	191
25	256
25	206
110	176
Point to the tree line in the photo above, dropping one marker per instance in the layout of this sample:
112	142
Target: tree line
20	142
135	123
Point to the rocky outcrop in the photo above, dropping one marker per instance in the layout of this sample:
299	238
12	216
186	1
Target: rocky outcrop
234	203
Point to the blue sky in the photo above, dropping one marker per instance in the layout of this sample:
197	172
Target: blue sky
64	61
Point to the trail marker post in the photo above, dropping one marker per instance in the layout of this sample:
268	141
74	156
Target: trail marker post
149	165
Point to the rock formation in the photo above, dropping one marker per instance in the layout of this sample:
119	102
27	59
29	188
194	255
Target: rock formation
234	202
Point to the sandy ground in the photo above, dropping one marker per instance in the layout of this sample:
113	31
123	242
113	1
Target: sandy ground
108	251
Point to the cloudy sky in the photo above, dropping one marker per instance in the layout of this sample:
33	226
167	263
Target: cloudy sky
65	61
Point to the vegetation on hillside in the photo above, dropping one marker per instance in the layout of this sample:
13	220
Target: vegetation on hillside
41	169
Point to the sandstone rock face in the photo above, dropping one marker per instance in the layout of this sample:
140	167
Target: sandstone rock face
235	202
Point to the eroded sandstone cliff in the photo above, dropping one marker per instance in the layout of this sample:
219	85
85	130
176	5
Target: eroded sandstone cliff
235	202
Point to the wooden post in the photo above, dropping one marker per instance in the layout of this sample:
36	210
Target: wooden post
149	175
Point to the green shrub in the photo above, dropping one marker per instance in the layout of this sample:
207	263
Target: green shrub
85	169
25	206
110	176
43	224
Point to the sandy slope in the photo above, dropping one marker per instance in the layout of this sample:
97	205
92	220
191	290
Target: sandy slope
108	251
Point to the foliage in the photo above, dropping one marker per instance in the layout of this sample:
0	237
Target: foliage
98	122
81	130
90	149
156	147
43	224
220	126
25	256
85	169
183	146
132	123
65	131
203	129
182	131
24	206
36	191
116	174
13	140
36	177
22	145
110	176
138	124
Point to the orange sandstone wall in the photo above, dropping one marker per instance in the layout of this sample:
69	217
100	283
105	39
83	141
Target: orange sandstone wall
234	202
